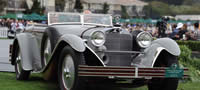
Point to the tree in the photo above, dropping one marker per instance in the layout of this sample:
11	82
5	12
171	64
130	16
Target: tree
157	9
60	5
105	8
134	10
36	8
27	10
188	2
147	11
78	6
124	13
2	5
173	2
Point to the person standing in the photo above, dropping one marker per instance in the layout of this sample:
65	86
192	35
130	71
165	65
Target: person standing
196	31
21	25
162	27
14	26
182	32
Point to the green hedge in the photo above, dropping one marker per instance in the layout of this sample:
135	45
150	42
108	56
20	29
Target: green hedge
193	64
193	45
185	57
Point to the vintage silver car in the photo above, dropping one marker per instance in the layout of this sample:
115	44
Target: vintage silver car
86	49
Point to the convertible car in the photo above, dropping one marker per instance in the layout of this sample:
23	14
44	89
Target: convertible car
78	50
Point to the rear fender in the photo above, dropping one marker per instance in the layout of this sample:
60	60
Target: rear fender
29	51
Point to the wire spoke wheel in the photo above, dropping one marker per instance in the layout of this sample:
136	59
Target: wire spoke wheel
21	74
47	52
68	72
18	64
164	60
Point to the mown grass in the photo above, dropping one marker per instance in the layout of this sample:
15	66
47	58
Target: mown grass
9	82
3	38
36	82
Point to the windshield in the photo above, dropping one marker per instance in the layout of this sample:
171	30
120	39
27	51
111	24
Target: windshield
68	18
63	18
98	19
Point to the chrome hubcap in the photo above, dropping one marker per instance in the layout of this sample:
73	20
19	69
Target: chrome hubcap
47	51
68	72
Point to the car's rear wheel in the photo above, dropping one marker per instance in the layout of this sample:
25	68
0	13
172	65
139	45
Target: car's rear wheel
68	70
21	74
167	83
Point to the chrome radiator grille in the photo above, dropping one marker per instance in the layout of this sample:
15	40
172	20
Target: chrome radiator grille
118	42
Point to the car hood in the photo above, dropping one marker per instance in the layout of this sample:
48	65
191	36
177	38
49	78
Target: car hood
79	30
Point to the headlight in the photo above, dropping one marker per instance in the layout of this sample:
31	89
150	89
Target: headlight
144	39
98	38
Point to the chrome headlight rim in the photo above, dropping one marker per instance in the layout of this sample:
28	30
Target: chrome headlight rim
95	38
142	45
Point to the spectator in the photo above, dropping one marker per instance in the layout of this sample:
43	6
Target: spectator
179	32
196	31
169	29
190	35
14	25
175	31
0	22
182	32
162	27
21	26
9	23
3	22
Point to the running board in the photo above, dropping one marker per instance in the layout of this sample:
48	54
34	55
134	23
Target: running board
127	72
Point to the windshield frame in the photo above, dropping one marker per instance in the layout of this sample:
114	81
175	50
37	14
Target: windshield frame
81	19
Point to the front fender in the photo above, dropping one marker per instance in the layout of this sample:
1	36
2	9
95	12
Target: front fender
68	39
29	51
74	41
148	58
170	45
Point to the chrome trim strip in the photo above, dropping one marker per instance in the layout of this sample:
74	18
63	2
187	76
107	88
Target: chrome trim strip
159	49
136	71
129	77
95	54
125	52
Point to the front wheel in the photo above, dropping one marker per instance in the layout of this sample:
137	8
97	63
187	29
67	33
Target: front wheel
167	83
68	70
21	74
46	49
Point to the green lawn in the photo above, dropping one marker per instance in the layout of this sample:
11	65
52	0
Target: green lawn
3	38
9	82
36	82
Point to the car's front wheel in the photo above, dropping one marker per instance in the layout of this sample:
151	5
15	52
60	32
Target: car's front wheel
46	49
68	70
21	74
167	83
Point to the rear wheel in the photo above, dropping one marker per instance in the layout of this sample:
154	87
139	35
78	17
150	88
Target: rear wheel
21	74
167	83
68	70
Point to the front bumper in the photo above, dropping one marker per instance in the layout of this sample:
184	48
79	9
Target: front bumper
118	72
